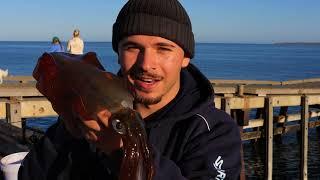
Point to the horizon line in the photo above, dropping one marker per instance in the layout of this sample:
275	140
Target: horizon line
197	42
91	41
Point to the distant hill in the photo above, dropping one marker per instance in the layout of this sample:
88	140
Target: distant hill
297	43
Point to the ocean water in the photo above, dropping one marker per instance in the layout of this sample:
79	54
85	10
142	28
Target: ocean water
216	61
219	61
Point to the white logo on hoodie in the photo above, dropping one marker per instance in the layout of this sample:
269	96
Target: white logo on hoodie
218	166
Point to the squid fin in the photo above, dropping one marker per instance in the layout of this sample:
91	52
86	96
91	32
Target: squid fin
46	67
91	58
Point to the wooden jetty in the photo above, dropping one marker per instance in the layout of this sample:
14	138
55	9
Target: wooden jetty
270	102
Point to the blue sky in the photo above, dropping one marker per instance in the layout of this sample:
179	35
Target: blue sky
239	21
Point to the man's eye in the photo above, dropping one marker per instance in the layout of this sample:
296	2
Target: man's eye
130	48
164	49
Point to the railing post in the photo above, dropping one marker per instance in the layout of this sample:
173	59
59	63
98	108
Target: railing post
304	137
283	113
13	110
225	105
269	137
240	90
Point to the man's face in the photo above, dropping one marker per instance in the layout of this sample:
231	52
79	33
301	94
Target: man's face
152	67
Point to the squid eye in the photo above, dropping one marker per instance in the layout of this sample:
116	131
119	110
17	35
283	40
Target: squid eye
118	126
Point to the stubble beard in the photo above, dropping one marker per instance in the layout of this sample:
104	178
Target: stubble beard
146	101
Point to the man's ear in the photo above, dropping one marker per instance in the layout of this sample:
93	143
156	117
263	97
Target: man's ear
185	62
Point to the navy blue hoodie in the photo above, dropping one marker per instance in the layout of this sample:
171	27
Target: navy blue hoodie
191	139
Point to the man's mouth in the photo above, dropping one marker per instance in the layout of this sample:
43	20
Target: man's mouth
146	83
147	80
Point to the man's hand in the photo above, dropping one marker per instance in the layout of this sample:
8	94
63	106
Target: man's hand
101	133
97	131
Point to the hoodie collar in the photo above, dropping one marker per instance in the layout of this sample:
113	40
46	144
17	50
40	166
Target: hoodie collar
195	92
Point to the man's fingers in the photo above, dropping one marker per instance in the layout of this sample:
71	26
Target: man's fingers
104	116
91	125
90	128
90	136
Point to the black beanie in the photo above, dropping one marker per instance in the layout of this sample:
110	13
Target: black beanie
163	18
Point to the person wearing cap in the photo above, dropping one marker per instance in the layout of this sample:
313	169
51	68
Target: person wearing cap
56	45
75	45
190	138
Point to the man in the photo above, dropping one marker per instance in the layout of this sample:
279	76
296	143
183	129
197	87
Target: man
190	138
75	45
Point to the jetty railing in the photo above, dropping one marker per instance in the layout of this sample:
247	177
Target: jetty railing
259	107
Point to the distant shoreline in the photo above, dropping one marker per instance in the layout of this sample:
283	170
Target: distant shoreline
297	43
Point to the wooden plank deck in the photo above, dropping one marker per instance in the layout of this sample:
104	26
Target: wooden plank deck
301	88
20	79
19	89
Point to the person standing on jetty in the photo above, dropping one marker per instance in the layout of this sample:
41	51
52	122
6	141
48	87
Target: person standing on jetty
191	139
75	45
56	45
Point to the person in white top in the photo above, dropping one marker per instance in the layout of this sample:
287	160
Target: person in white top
75	45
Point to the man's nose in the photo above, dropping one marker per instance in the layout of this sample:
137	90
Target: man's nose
147	60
